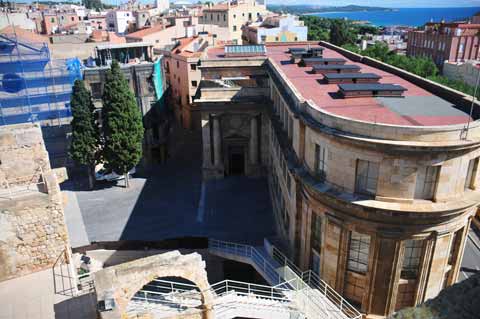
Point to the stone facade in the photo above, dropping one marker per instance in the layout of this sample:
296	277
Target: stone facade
32	224
394	240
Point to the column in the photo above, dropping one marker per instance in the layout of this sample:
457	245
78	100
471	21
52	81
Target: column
254	140
216	142
384	277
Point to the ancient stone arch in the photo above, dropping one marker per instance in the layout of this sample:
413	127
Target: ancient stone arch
121	282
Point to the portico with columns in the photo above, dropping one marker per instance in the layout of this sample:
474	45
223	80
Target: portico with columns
233	140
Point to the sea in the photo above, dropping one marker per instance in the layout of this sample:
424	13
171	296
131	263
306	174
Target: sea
405	16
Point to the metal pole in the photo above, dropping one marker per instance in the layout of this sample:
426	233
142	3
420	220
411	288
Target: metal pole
473	101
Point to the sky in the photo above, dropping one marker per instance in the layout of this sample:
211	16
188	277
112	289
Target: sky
373	3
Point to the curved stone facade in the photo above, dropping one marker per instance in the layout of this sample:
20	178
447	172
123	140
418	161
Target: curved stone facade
380	211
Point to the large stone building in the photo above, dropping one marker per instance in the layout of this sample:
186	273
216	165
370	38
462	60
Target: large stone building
373	176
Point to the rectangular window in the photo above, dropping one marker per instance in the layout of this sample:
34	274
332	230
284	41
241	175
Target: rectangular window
234	28
426	182
471	173
319	160
366	177
358	250
411	258
290	128
194	83
316	235
193	67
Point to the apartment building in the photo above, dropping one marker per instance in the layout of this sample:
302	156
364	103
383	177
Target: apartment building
275	28
183	76
232	15
52	22
373	178
166	33
120	21
453	42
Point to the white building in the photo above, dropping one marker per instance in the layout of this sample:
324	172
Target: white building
17	19
162	5
276	28
119	20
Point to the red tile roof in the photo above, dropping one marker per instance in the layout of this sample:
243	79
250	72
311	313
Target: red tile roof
144	32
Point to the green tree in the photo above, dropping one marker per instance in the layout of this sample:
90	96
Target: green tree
85	142
122	124
341	34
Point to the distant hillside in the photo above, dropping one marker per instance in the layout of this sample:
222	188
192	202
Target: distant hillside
305	8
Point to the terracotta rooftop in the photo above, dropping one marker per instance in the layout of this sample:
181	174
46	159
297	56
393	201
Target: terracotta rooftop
25	34
147	31
417	107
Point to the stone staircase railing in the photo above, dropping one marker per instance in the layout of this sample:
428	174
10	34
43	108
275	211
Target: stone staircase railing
314	297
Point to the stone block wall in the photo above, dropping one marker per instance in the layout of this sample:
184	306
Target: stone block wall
22	154
32	223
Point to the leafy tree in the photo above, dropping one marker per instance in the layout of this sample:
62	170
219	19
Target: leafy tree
340	33
122	124
85	142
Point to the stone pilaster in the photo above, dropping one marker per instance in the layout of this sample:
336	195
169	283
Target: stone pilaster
217	142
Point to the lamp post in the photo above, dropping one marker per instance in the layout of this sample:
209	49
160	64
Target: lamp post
477	66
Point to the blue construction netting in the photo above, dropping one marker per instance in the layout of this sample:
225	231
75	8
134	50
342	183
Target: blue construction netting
34	87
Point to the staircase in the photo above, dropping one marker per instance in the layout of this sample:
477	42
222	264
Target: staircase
312	296
164	299
292	294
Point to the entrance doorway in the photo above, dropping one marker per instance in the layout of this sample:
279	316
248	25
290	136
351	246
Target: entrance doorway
236	160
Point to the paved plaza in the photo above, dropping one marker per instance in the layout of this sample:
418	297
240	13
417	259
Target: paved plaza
170	201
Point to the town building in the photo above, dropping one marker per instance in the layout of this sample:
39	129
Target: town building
54	21
147	82
466	72
166	33
276	28
120	21
232	15
183	76
19	19
453	42
373	178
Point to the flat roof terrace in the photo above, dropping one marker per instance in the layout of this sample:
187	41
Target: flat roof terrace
417	106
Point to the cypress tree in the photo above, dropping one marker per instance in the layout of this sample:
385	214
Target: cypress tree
85	142
122	124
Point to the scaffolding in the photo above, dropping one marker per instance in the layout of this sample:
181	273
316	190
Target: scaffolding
33	86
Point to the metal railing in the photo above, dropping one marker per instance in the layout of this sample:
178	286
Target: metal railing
315	282
164	295
313	295
251	253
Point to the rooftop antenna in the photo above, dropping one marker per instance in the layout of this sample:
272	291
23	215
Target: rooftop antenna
473	101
